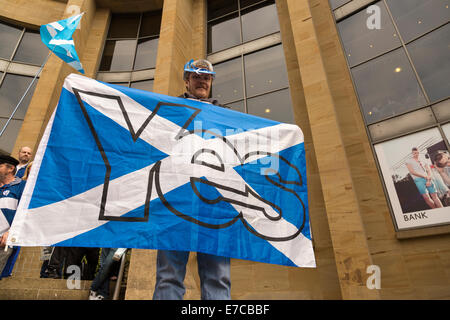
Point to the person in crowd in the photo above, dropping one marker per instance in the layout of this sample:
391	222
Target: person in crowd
214	271
46	253
100	286
85	258
26	175
63	257
25	154
442	164
55	264
421	175
11	189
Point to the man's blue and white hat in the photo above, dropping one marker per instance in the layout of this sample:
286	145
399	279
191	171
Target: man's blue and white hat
198	66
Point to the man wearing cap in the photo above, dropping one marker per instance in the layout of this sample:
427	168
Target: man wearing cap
214	271
11	188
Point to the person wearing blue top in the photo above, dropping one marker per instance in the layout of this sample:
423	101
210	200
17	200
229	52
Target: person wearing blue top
25	155
11	188
214	271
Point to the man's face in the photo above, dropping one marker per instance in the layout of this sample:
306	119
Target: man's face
415	154
5	171
444	160
25	155
199	85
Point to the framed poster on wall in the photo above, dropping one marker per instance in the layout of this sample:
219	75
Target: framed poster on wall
415	182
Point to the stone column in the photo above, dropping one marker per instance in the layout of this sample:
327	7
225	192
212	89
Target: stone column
326	284
181	38
343	212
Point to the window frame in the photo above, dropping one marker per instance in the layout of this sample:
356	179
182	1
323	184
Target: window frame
230	54
137	38
132	75
238	12
17	68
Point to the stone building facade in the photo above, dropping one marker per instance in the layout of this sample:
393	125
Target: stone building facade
353	218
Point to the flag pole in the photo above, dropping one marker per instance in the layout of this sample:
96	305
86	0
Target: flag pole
26	91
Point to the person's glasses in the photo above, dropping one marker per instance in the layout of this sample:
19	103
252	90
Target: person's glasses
205	77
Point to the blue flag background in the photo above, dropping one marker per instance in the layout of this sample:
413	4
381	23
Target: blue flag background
121	167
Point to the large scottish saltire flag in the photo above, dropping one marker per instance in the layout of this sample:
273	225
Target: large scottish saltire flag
57	36
121	167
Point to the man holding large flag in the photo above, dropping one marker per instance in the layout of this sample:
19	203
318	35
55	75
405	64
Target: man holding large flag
206	190
214	271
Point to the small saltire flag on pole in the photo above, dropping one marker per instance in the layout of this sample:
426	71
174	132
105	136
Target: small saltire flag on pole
125	168
57	36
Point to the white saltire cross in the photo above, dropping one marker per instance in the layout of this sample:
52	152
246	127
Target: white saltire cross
127	192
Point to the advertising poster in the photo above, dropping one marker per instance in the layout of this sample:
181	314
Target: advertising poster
415	171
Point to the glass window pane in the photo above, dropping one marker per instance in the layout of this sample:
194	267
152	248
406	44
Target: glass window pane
8	138
265	70
224	33
146	54
11	91
361	43
431	57
124	25
228	85
416	17
237	106
31	49
151	23
276	106
143	85
218	8
337	3
118	55
259	21
387	86
9	36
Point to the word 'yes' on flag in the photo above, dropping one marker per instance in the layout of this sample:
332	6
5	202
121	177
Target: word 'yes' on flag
126	168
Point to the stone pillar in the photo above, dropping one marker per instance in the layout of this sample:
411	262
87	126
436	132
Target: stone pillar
181	37
180	26
325	274
343	212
